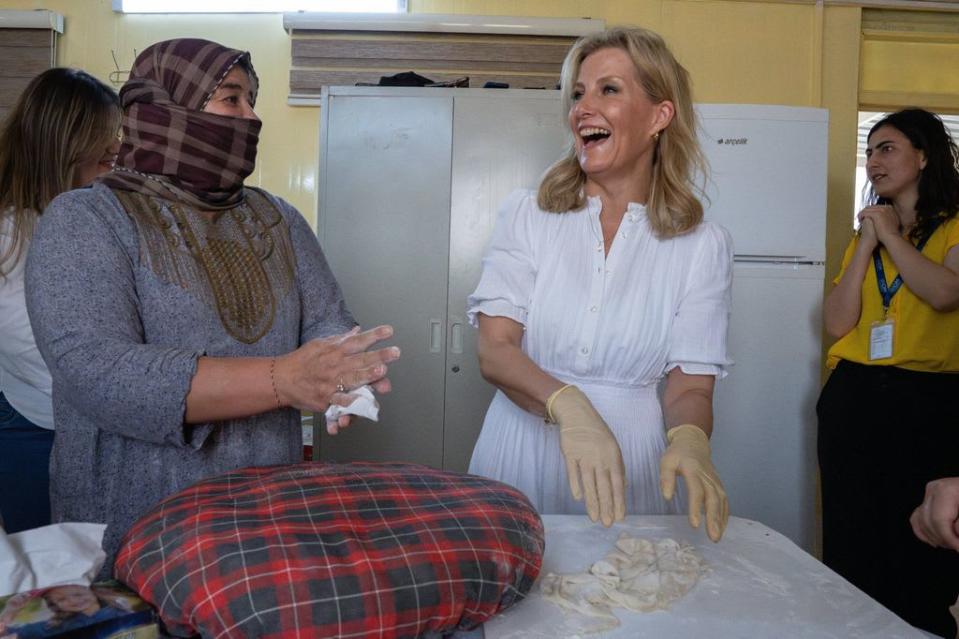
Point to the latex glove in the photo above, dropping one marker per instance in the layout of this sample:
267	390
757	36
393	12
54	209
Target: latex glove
594	463
936	520
688	454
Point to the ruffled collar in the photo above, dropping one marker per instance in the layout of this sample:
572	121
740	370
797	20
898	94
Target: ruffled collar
634	210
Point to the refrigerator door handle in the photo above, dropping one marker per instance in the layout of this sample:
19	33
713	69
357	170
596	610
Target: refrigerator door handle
436	335
743	258
456	338
766	258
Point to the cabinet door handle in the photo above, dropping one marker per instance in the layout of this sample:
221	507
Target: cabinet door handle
456	338
436	336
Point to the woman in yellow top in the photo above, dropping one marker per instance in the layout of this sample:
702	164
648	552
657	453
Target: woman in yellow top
889	415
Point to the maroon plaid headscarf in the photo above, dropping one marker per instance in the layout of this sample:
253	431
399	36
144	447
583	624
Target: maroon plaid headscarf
171	147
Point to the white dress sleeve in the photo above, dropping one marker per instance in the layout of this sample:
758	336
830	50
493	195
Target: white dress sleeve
509	265
698	335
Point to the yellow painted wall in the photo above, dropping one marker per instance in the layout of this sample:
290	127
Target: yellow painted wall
840	95
761	52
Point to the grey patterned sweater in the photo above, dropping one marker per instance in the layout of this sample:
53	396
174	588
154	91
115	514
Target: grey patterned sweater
124	302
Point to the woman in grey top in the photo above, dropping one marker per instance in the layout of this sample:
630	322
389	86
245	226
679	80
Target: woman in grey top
185	318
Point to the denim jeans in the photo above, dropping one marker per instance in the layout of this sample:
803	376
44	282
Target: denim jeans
24	471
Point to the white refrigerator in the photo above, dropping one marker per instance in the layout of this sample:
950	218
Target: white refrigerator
768	188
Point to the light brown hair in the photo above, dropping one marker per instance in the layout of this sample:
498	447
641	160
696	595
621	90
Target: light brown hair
63	117
674	207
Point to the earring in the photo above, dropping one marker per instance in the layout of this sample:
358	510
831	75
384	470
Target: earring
656	136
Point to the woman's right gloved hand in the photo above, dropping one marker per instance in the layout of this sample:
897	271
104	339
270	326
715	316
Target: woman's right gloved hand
594	463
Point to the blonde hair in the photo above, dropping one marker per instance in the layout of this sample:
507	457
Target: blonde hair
673	207
63	117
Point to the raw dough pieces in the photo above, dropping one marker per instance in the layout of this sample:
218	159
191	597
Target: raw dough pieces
639	574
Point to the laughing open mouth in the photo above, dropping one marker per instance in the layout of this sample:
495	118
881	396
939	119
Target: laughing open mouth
593	135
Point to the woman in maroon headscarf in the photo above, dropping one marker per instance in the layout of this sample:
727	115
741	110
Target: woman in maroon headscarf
186	318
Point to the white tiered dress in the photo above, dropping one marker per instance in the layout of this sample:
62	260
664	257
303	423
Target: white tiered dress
614	325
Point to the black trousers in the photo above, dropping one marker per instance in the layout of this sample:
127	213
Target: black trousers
884	432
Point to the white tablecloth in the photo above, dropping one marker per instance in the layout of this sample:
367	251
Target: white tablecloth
759	584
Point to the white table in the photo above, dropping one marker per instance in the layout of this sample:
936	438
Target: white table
760	584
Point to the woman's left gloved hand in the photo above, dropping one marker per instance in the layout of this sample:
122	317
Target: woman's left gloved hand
688	454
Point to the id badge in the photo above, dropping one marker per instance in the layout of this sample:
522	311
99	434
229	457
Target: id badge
880	340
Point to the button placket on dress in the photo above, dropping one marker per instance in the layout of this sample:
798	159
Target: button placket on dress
597	288
601	270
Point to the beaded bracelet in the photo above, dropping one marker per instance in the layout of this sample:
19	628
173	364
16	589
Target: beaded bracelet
276	395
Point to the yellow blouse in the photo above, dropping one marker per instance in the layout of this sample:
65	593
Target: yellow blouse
923	338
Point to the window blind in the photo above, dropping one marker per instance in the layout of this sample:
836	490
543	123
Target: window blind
346	58
25	53
909	58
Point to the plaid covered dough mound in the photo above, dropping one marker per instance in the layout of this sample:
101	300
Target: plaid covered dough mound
339	550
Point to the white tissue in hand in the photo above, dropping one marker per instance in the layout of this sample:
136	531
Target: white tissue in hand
365	405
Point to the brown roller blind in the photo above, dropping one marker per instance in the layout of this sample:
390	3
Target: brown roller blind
909	58
25	53
325	58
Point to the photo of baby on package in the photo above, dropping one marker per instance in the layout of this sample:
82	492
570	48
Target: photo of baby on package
102	611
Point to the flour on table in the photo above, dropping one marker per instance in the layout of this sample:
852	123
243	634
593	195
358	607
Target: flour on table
638	574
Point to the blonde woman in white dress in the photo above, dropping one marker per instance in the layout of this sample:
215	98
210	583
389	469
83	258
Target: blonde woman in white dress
604	303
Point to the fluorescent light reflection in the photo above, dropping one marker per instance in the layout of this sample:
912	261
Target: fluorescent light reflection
258	6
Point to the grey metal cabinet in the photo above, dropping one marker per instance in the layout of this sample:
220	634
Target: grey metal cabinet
410	182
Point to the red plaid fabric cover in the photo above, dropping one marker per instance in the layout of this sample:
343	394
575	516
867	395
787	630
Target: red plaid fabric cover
339	550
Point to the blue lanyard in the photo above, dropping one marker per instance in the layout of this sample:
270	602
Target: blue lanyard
888	290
